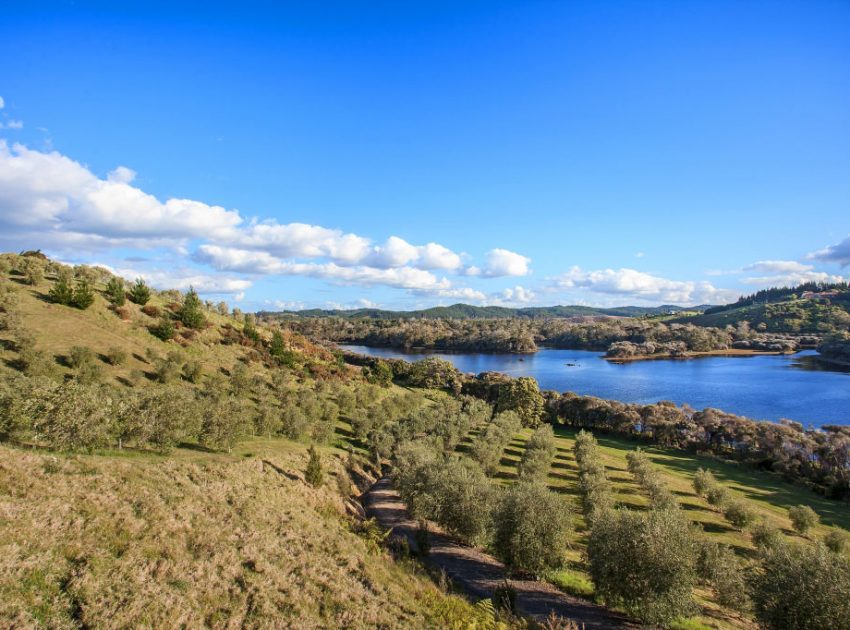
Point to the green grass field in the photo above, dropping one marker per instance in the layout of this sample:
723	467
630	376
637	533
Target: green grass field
769	495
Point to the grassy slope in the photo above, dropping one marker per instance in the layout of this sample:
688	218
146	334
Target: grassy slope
58	328
769	495
193	539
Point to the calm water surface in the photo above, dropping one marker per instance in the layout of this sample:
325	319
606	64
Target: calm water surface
761	387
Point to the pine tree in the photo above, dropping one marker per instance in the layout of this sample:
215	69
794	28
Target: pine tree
83	294
192	311
314	474
115	291
277	347
62	292
140	293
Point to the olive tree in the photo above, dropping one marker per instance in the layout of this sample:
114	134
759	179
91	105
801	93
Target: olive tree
802	587
803	518
645	562
532	527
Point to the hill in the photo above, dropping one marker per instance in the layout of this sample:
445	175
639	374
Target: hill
809	308
155	471
468	311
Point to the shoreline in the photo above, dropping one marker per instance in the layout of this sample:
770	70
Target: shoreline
732	352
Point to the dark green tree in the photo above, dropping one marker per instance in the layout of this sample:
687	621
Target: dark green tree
115	291
62	292
277	348
83	294
314	475
140	293
192	311
523	396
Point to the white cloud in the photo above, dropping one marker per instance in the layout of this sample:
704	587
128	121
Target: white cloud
639	254
641	286
501	262
778	266
182	279
58	197
51	201
253	262
517	295
121	175
839	253
778	273
15	124
396	252
2	103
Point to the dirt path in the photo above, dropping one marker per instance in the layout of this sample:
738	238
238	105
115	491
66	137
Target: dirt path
479	574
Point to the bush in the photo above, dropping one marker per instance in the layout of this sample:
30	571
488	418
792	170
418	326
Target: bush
116	356
532	527
164	330
79	356
150	310
836	540
645	562
718	496
803	518
765	536
168	369
703	482
739	514
802	587
193	371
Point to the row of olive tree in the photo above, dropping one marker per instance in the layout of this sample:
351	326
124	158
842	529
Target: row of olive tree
525	525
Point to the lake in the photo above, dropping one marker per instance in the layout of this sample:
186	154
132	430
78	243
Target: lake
763	387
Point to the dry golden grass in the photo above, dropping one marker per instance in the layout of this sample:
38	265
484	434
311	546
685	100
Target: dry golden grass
194	540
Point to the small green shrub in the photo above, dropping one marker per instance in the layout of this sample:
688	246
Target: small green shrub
803	518
116	356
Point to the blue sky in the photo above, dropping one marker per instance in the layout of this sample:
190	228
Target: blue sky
418	153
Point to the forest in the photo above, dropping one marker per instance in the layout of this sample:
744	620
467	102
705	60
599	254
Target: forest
618	337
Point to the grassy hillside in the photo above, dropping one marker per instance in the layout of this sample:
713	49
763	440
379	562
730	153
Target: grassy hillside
197	539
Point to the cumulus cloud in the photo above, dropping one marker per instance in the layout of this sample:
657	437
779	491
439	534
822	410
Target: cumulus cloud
641	286
54	202
838	253
185	278
410	278
501	262
777	273
2	103
59	197
517	295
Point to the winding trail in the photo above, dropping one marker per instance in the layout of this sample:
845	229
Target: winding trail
479	574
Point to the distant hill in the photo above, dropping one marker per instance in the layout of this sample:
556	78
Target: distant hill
468	311
815	308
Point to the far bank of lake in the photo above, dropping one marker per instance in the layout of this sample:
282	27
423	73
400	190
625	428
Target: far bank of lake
763	387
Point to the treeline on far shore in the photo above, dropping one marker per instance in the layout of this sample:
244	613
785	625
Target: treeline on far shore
817	457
